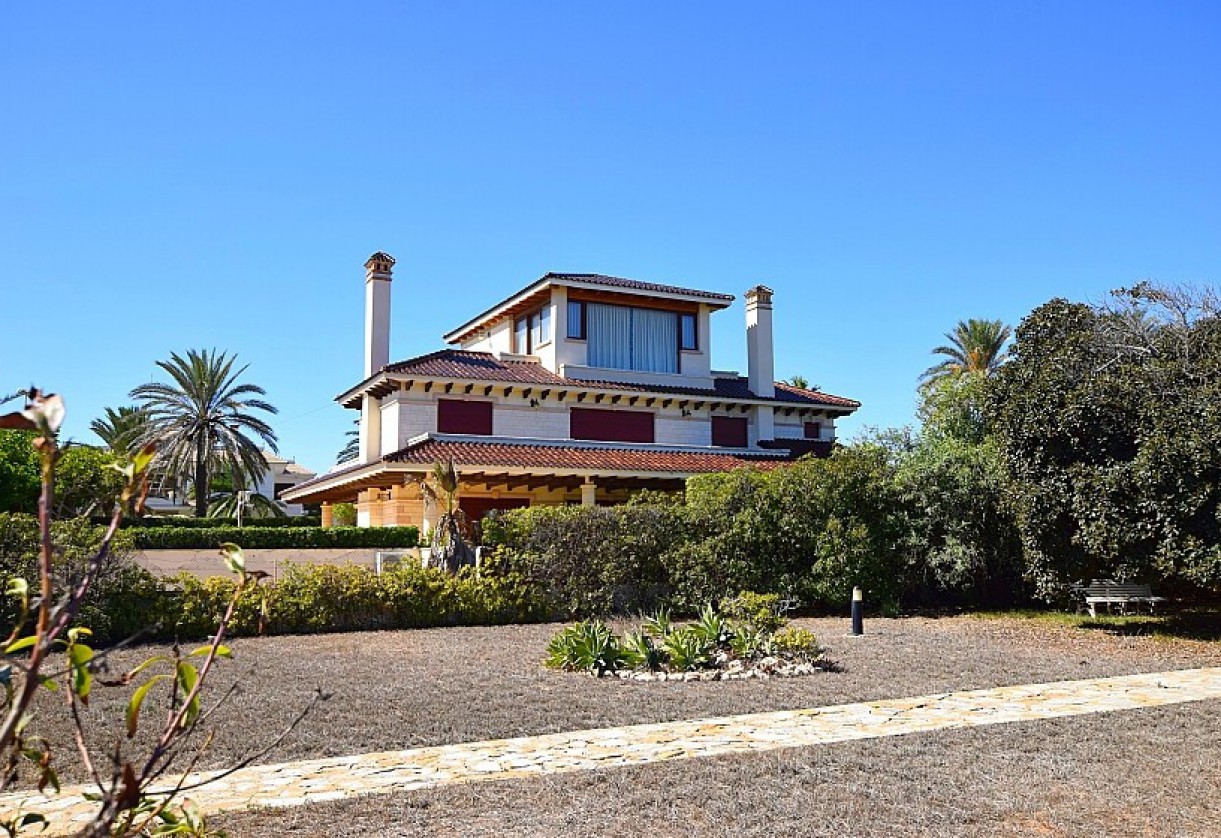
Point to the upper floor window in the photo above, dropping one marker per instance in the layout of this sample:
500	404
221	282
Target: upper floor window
686	332
532	330
458	416
729	431
576	320
610	425
643	339
812	430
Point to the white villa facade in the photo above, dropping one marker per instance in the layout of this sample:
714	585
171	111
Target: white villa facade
579	388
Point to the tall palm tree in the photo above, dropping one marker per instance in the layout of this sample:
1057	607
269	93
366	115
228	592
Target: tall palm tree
119	429
351	448
975	346
201	422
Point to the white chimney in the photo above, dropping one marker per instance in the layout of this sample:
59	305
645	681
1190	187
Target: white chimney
377	311
760	358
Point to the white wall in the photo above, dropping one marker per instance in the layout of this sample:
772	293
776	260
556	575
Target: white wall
497	339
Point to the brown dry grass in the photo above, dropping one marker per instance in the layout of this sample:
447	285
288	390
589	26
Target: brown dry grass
1137	771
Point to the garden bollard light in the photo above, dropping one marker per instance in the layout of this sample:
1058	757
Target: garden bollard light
858	612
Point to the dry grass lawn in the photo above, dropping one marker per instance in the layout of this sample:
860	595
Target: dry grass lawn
1148	772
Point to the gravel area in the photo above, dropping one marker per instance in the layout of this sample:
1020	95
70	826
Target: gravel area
413	688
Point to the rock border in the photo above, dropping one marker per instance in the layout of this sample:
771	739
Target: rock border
763	670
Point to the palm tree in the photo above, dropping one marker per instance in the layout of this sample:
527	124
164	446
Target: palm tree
800	382
975	346
351	448
119	429
201	422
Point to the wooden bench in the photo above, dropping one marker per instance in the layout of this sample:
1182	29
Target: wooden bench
1108	592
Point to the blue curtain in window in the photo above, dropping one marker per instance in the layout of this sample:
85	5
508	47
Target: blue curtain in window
654	340
610	336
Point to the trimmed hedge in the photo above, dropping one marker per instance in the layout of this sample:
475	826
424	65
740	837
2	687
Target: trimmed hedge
327	598
260	537
183	522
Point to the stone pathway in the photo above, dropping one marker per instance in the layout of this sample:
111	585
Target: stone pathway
296	783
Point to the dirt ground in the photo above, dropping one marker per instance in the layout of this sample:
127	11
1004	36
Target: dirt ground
1151	772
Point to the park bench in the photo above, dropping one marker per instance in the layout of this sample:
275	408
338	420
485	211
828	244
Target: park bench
1108	592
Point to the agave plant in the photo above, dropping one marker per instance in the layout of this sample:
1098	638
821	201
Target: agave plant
659	625
585	647
713	628
639	652
686	649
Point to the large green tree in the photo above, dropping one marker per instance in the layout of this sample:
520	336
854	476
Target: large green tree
974	346
203	421
1109	421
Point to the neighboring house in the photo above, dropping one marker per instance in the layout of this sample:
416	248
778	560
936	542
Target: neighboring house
282	475
580	388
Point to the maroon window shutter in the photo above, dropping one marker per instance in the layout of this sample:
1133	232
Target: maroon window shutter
456	416
813	430
729	431
611	425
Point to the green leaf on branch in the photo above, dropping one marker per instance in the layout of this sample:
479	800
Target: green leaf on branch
18	645
188	677
18	587
80	656
136	701
222	651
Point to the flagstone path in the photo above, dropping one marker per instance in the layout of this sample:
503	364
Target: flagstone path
315	780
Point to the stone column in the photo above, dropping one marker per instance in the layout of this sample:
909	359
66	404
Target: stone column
328	516
589	493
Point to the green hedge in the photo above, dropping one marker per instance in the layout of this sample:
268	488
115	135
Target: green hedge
328	598
260	537
183	522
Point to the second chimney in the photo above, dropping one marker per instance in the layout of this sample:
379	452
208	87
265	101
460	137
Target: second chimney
378	272
760	360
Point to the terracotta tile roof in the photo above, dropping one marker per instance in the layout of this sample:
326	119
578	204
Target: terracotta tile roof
483	366
636	285
497	454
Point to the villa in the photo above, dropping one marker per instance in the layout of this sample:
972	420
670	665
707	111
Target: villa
579	388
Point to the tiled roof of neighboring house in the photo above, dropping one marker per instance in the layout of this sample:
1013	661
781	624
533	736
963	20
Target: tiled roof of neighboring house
483	366
637	285
529	455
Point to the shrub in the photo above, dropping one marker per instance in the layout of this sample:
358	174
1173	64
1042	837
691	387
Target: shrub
686	649
183	522
750	610
326	598
122	596
585	647
795	642
260	537
343	515
592	561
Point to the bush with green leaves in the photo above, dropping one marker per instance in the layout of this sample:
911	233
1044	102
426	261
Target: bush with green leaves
121	597
592	561
332	598
183	522
749	609
274	537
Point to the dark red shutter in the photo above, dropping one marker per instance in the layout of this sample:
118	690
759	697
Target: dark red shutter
813	430
611	425
455	416
729	431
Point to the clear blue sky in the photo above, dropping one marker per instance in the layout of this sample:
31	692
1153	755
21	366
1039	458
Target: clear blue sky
214	175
